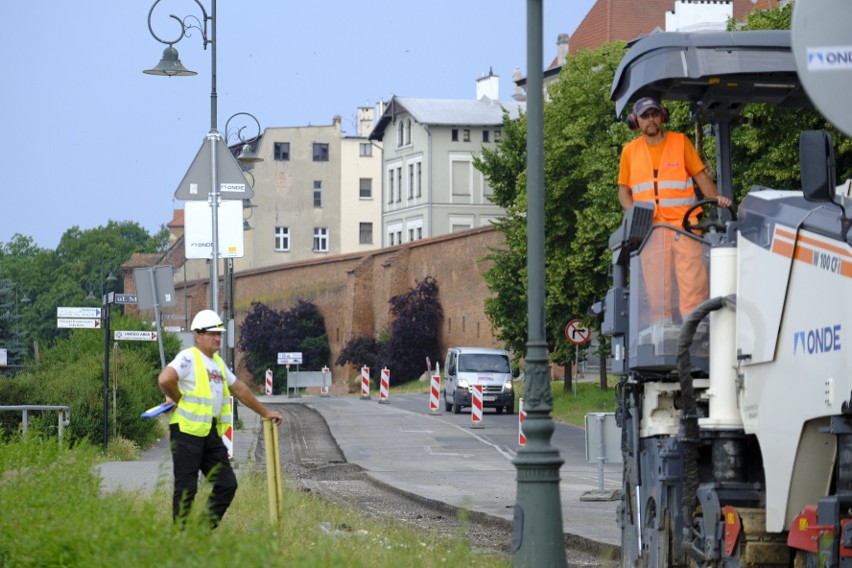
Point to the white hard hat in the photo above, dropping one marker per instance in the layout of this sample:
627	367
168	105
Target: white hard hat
207	321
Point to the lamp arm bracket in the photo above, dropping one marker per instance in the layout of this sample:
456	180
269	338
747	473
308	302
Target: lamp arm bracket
186	24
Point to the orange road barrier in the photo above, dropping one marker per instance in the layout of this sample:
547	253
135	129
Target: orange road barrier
384	388
476	407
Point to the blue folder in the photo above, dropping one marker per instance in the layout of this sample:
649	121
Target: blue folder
157	410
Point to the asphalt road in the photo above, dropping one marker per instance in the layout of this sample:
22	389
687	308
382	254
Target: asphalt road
441	458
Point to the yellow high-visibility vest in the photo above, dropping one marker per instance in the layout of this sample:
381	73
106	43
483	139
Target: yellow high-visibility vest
194	414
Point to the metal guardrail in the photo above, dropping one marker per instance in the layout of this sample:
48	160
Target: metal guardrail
63	415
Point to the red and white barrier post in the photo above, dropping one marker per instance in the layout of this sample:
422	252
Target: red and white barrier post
384	387
327	380
228	436
268	388
476	408
522	414
435	392
365	383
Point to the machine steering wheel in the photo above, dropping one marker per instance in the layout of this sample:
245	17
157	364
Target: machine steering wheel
709	221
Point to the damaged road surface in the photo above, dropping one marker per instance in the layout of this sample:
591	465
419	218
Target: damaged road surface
312	461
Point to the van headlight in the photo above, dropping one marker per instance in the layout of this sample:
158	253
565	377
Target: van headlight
463	384
508	385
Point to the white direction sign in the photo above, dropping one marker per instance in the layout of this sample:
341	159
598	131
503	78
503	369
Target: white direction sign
576	333
198	229
78	323
290	358
136	335
78	312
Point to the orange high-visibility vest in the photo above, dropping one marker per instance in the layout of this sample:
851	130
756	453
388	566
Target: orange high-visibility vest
672	190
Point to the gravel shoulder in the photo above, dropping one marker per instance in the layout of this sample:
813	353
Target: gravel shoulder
313	462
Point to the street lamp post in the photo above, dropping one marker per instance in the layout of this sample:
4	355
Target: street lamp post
537	538
105	309
170	66
247	155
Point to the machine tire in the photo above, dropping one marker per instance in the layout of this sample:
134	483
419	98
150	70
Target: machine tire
456	407
499	409
447	404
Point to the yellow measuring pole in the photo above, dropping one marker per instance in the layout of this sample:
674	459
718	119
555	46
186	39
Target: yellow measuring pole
273	469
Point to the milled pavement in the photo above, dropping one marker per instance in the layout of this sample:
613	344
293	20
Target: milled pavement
428	456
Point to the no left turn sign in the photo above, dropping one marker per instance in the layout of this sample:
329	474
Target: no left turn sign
576	333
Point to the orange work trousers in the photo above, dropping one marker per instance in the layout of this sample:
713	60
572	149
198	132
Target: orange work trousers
675	274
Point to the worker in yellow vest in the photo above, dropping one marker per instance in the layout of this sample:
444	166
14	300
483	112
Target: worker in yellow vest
200	384
659	167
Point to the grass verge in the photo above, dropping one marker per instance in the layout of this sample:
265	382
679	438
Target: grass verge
61	519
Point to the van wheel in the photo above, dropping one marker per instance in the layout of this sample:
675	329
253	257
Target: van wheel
510	408
456	408
499	410
447	405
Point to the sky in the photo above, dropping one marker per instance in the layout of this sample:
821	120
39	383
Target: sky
90	138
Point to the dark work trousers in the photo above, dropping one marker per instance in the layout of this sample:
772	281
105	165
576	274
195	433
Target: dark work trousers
191	454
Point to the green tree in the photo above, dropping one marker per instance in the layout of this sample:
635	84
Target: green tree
70	372
581	148
71	273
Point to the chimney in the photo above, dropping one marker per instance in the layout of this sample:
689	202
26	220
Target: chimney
488	86
562	48
380	108
365	121
336	120
519	94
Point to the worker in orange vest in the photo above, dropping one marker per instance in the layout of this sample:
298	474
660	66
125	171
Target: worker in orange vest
662	167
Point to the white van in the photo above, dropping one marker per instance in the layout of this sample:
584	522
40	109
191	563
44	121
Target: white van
468	366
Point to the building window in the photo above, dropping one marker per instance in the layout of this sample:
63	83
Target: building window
282	151
366	149
410	181
320	239
399	133
399	184
411	234
496	136
317	193
366	189
282	239
466	135
485	135
390	185
454	135
408	132
419	179
394	233
365	233
461	173
320	152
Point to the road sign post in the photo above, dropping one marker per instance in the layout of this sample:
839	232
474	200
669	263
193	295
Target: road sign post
578	334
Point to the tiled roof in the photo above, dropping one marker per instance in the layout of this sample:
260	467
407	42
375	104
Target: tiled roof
611	20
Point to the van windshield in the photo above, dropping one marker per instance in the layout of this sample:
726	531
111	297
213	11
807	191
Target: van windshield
484	363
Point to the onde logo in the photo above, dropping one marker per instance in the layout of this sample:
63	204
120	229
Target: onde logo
829	58
816	341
